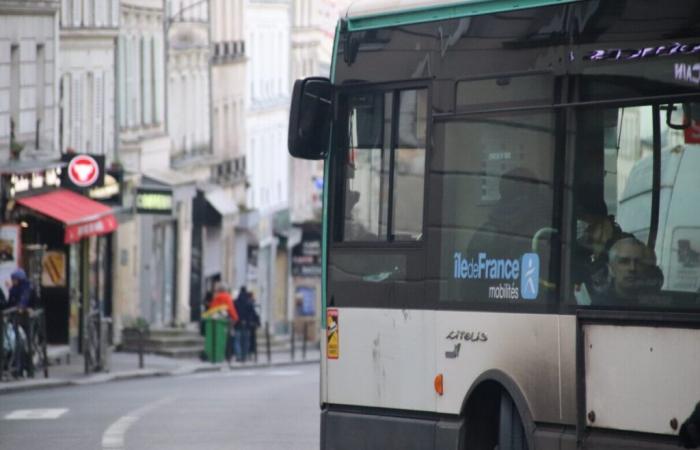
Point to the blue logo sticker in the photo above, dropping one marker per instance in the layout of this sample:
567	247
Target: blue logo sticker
530	280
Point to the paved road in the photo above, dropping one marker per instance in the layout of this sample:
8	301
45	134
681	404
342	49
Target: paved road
265	409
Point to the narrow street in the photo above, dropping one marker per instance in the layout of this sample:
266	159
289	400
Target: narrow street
259	408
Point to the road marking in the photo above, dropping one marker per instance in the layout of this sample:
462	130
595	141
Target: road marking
249	373
233	373
36	414
113	437
284	373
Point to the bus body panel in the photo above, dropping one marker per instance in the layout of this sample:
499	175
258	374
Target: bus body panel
397	355
402	358
525	347
641	378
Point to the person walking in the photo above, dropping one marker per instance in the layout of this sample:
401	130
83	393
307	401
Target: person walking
242	340
222	303
254	325
21	296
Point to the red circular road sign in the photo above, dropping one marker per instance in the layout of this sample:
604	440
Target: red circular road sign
83	170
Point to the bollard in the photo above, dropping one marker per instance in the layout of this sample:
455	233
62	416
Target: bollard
267	342
303	343
292	341
140	348
43	345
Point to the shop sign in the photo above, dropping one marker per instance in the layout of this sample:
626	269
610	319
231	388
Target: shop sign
154	201
306	259
84	171
110	191
27	182
53	269
97	227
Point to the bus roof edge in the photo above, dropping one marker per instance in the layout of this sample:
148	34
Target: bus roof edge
370	14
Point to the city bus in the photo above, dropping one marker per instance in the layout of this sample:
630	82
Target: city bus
511	250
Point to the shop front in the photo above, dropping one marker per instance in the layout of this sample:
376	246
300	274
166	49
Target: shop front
214	216
159	227
67	245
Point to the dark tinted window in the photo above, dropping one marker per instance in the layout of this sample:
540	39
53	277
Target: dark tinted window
494	177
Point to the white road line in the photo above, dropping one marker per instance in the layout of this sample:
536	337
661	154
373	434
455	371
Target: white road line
233	373
36	414
113	437
284	373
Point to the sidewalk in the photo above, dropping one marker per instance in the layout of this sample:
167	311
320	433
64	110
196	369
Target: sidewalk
124	366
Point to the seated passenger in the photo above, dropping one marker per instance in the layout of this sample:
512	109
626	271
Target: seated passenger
633	273
596	232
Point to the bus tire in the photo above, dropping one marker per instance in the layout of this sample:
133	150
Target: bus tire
492	420
511	433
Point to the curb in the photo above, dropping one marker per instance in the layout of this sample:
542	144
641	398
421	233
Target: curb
143	373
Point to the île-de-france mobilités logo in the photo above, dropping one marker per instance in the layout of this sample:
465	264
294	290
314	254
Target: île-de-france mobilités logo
530	280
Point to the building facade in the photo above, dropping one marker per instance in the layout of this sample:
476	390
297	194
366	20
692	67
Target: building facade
267	103
29	40
89	31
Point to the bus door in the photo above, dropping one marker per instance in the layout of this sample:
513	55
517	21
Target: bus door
376	263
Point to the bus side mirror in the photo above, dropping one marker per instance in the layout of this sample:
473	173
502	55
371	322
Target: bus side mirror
682	116
310	118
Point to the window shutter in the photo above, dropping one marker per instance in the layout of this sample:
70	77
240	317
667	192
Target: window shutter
121	74
65	13
98	97
115	13
100	8
77	112
66	106
77	10
159	75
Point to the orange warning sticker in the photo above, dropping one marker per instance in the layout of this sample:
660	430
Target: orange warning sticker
333	348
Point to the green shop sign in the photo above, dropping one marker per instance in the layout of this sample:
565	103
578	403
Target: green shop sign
153	201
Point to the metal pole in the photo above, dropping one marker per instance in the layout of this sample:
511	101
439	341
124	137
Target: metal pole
27	319
303	345
292	341
267	342
43	344
140	348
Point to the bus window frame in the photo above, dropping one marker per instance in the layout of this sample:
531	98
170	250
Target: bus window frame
339	150
552	305
567	301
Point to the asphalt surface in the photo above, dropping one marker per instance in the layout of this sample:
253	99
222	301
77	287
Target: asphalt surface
258	408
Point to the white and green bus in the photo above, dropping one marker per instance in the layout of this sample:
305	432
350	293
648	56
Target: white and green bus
511	224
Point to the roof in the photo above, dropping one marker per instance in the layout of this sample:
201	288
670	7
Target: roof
366	14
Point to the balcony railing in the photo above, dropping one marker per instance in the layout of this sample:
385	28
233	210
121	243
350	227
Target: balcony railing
228	51
230	171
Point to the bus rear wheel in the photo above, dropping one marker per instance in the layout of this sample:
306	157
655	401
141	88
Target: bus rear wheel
493	421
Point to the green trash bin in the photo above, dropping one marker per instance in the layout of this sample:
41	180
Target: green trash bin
215	339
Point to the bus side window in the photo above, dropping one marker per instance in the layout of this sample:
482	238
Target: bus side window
385	166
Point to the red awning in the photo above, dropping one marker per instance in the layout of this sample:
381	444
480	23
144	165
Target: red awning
82	216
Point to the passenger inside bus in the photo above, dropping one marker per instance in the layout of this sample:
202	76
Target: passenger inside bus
634	274
596	232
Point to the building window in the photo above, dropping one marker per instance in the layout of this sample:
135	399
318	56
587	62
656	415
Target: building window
123	93
40	92
14	91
